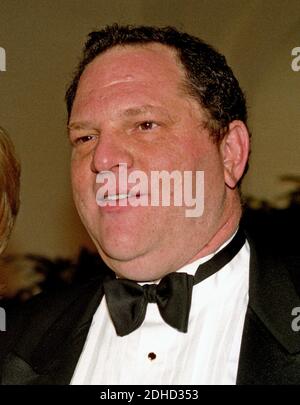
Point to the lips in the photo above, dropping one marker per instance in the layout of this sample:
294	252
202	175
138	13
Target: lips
115	197
121	199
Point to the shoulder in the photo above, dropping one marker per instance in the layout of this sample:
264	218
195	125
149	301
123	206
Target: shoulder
274	243
29	321
275	228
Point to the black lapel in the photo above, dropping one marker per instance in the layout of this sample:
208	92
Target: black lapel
49	348
269	344
64	369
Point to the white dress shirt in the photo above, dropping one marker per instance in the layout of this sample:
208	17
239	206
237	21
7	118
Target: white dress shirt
156	353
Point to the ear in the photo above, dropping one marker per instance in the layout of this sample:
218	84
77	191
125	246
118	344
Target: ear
235	151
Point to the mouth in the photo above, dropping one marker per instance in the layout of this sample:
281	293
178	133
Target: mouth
115	197
118	199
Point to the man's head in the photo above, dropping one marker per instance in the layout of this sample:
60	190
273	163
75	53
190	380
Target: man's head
156	99
208	78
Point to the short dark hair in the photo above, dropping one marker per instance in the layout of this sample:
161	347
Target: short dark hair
208	77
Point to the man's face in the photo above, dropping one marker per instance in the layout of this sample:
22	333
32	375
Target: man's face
130	107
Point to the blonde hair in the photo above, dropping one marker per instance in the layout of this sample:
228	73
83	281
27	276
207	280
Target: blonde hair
9	187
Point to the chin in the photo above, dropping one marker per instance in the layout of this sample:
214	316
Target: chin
137	274
118	253
128	262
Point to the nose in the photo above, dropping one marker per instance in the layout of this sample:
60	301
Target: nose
109	153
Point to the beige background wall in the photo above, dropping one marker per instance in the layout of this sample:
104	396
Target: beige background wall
43	40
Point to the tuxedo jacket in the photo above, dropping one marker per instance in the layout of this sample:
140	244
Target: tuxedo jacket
45	338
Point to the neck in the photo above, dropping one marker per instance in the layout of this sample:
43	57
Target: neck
222	234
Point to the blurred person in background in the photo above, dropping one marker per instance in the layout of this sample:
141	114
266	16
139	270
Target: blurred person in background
17	274
9	206
9	188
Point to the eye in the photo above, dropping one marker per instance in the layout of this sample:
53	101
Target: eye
83	139
147	125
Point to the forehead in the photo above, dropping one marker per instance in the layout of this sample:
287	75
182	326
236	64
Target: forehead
153	62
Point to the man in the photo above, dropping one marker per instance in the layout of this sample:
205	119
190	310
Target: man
191	301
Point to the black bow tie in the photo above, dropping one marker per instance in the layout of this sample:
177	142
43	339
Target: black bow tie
127	301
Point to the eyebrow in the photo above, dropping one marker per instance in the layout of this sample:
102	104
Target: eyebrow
141	110
129	112
80	125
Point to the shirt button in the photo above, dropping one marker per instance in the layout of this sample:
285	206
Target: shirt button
151	356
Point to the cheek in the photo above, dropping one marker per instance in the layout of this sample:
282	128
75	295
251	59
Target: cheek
76	179
80	172
214	179
81	185
207	157
209	161
214	187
